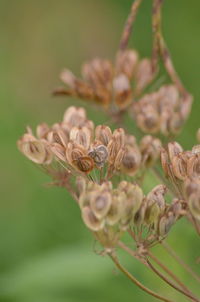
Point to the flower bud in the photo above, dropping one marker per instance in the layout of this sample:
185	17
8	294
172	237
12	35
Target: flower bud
150	148
81	136
42	130
126	62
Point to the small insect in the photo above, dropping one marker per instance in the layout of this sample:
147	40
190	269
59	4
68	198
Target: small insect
99	154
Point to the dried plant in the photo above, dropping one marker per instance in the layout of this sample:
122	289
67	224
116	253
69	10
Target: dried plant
104	169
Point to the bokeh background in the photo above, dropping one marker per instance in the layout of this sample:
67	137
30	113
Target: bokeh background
46	253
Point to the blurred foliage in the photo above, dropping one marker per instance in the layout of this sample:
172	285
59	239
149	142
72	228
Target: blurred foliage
46	253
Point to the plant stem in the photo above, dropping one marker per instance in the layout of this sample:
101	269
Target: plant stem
185	291
129	25
180	261
135	281
172	284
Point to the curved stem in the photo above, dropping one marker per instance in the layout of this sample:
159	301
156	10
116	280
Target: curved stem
185	291
180	261
129	25
135	281
168	281
159	47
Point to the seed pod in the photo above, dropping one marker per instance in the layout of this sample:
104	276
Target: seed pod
81	136
122	91
59	151
57	136
144	74
194	205
150	148
126	62
99	154
103	134
119	158
174	149
131	160
140	214
116	208
35	150
179	166
165	162
73	116
74	152
193	165
91	221
100	203
119	135
84	164
155	204
165	224
42	130
149	120
192	186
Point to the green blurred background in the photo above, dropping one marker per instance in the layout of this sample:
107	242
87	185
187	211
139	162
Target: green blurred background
46	253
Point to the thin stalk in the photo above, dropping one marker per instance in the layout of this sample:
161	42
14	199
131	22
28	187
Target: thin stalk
168	271
180	261
129	25
160	47
185	291
135	281
172	284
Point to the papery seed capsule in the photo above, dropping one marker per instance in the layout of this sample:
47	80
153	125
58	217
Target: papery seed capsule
99	155
100	203
144	74
194	205
36	151
74	115
42	130
57	136
84	164
122	91
126	62
103	134
74	152
59	151
157	196
119	158
192	186
179	166
119	135
196	149
193	165
150	148
165	224
149	121
81	136
165	161
91	221
174	149
116	209
152	213
140	214
131	160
